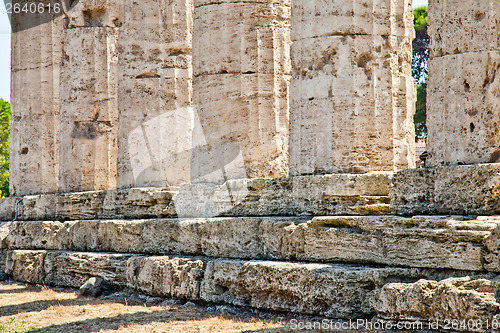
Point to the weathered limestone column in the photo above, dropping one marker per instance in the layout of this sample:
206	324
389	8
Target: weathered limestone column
463	92
34	144
351	94
155	93
241	70
89	99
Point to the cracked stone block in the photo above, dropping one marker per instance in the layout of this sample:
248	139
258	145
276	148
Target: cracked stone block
469	298
457	242
165	276
461	190
463	109
351	105
67	269
332	290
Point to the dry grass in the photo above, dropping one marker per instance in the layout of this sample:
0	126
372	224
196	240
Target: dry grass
36	309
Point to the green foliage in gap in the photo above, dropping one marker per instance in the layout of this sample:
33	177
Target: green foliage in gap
419	68
4	147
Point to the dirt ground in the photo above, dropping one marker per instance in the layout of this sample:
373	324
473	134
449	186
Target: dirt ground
25	308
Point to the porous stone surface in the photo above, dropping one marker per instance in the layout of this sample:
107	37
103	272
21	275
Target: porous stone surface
462	298
155	129
89	112
422	241
241	71
492	251
68	269
173	277
463	26
127	203
347	194
351	96
461	190
463	114
35	124
25	265
313	18
338	291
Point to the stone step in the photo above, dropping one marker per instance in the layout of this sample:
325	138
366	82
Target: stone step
455	242
464	304
345	194
333	290
461	190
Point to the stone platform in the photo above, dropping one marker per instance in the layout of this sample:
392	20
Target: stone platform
340	246
344	194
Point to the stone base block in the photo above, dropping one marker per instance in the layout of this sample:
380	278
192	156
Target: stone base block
67	269
173	277
333	290
463	189
423	241
338	291
470	299
342	194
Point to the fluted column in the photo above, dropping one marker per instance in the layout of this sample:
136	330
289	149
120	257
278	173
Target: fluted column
241	70
463	92
351	94
36	64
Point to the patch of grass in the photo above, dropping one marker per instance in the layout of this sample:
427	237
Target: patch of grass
14	326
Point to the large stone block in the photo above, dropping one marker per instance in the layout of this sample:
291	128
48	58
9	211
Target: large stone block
463	189
463	109
338	291
423	241
25	266
241	74
318	18
457	26
346	194
68	269
343	194
89	110
352	105
173	277
472	299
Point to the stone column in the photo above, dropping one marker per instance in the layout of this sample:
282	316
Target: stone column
351	94
89	113
241	70
463	92
34	144
155	93
89	97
